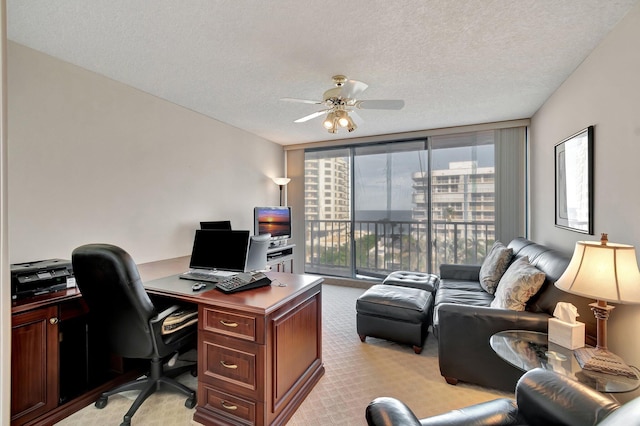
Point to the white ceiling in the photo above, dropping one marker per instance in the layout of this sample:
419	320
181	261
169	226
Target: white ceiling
454	62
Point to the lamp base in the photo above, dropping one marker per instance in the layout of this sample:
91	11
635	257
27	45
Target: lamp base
603	361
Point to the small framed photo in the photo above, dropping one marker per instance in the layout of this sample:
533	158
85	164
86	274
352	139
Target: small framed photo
574	182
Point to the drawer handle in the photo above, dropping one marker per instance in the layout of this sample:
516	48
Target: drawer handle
228	406
228	324
225	365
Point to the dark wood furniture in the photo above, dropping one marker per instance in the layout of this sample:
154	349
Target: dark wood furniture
259	351
276	348
40	376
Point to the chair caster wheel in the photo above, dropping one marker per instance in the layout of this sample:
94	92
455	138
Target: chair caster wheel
194	372
190	402
125	424
101	402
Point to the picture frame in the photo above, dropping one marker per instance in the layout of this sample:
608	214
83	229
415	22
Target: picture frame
574	182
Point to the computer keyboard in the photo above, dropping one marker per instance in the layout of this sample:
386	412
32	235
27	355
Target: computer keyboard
243	281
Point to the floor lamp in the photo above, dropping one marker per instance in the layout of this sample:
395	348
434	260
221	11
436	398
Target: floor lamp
607	272
281	182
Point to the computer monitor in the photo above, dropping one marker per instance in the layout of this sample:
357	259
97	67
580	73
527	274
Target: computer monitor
257	257
223	225
273	220
216	249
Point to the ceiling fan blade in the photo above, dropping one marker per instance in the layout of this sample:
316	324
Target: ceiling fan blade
380	104
302	101
311	116
352	88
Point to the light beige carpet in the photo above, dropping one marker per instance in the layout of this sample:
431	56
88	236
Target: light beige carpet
355	374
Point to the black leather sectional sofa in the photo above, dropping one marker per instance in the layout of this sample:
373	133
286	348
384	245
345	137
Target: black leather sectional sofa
463	320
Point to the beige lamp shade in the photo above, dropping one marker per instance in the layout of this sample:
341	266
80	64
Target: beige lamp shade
603	271
281	180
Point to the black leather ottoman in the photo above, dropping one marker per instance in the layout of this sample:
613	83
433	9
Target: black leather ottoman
421	280
399	314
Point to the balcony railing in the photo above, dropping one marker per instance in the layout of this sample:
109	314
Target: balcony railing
385	246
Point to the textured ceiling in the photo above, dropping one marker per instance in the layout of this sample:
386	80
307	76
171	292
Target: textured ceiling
454	62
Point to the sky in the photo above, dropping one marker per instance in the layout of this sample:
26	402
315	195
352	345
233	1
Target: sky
371	174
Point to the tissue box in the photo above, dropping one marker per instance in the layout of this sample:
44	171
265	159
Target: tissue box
565	334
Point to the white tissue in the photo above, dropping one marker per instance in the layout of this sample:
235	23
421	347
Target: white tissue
566	312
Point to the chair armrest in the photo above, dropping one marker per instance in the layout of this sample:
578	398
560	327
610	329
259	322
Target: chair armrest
450	271
389	411
545	397
385	411
156	322
466	329
501	411
164	343
454	318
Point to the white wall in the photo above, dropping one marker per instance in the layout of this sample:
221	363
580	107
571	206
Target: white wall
93	160
605	92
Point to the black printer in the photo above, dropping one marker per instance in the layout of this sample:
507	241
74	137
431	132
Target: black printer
40	277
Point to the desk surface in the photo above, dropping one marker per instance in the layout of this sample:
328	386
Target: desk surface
527	350
263	300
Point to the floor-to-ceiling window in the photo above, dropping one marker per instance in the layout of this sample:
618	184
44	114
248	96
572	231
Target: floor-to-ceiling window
409	205
327	212
463	194
390	229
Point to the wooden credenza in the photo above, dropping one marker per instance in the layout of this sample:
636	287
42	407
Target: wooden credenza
259	351
54	367
34	369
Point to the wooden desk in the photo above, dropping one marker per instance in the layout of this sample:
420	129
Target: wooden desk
259	351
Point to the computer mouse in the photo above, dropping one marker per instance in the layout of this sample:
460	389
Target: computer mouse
198	286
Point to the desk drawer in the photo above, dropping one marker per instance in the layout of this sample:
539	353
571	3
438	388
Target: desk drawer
230	407
231	364
242	326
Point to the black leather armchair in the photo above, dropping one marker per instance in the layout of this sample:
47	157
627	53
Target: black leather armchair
126	318
542	398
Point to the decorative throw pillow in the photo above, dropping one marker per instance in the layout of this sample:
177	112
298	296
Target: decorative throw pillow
518	284
494	266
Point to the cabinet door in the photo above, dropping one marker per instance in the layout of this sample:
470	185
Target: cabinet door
34	364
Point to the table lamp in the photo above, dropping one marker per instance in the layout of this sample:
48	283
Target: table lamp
607	272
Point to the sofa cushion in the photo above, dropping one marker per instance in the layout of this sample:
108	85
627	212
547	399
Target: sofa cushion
473	286
518	284
463	297
494	266
460	293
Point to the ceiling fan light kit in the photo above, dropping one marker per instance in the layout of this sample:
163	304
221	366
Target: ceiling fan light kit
340	101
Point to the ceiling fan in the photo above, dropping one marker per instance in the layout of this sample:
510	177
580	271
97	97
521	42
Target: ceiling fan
340	104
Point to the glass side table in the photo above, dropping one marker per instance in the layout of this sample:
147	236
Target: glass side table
527	350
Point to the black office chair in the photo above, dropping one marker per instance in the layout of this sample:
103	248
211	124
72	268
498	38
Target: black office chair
125	316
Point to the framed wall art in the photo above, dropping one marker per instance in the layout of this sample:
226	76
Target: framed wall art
574	182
